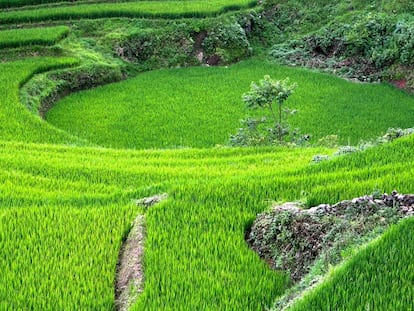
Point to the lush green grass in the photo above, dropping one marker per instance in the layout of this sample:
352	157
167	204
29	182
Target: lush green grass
147	9
16	122
73	205
60	258
18	3
380	277
32	36
64	210
201	107
195	254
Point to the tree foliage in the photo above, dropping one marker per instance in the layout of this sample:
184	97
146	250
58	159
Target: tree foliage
268	93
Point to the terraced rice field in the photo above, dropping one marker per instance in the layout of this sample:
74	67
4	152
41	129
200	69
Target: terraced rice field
178	107
67	200
137	9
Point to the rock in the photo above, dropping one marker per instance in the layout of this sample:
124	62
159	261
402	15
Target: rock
200	56
289	207
404	209
150	201
400	197
319	210
317	228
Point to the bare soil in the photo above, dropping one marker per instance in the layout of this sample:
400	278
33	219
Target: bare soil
129	274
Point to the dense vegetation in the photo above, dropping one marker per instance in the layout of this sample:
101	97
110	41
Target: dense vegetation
67	201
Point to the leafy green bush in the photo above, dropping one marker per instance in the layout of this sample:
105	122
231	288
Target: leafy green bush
227	42
182	44
402	42
265	95
158	48
363	46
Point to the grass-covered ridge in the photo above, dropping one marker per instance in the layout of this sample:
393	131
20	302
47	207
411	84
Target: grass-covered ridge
19	3
16	122
32	36
201	107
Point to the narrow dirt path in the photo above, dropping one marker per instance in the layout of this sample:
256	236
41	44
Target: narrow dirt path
129	273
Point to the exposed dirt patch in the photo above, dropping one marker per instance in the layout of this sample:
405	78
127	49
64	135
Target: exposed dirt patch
400	84
129	272
129	280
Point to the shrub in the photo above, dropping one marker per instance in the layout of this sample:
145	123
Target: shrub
227	41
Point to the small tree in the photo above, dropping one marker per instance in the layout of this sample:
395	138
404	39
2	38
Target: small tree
266	94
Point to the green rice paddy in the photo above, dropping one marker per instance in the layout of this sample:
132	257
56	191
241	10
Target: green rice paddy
32	36
68	184
202	106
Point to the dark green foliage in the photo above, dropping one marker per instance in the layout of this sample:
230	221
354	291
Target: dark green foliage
159	48
213	42
362	46
398	6
401	41
225	42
